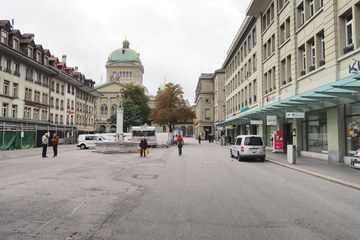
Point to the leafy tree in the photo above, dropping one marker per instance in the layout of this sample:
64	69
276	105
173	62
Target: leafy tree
170	107
136	107
137	94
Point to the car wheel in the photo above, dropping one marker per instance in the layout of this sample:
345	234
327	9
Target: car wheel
82	146
239	157
231	155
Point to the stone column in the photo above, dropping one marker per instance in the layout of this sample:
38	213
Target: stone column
119	123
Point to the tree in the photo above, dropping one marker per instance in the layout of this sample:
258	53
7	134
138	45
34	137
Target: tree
171	108
136	106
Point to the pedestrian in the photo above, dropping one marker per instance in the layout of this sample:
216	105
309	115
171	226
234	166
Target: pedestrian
143	146
199	138
55	143
180	143
229	139
44	141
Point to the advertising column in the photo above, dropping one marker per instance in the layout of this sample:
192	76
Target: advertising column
278	137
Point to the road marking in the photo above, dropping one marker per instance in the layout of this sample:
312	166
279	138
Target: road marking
45	223
75	209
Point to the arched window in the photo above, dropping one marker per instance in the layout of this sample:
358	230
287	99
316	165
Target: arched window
113	109
104	110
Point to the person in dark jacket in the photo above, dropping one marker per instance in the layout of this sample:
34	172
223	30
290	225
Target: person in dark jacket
143	146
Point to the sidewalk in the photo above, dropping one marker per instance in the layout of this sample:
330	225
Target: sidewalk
335	172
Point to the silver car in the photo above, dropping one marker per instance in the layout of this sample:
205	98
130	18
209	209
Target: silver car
248	147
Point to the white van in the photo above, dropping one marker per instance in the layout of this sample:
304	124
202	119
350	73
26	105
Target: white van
89	140
248	147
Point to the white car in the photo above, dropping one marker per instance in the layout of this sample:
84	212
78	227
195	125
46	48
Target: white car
248	147
89	140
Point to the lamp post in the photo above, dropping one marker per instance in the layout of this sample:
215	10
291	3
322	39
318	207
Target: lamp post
120	120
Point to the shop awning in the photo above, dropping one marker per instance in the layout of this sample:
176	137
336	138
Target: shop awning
343	91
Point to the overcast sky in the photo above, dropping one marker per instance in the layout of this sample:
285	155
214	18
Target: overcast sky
177	39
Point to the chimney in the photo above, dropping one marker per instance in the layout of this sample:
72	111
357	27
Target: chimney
12	23
64	58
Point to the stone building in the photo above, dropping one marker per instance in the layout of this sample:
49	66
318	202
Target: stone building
122	67
293	69
40	93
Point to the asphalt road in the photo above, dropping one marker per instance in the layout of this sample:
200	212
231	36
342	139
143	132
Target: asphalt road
202	194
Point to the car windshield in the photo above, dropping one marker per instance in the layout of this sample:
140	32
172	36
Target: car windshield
253	141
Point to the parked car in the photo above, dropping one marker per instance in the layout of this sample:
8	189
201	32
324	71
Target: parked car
248	147
89	140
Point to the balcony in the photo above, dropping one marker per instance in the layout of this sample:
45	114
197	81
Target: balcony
16	73
349	48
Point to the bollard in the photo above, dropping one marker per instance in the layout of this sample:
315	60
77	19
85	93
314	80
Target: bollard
291	154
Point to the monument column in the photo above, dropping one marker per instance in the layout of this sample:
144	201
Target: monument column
120	120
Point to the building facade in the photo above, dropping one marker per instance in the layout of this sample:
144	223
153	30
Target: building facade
204	102
39	93
293	69
122	67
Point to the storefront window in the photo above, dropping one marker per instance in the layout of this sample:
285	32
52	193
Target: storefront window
316	132
352	128
269	135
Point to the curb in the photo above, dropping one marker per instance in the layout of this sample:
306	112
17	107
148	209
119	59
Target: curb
319	175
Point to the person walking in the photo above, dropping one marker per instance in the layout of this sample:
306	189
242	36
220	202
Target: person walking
44	141
143	146
199	138
55	143
180	143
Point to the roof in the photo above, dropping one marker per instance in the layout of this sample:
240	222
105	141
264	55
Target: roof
124	54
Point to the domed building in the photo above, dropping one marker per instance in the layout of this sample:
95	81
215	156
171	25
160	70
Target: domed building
123	66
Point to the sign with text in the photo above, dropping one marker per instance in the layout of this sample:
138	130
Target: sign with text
256	122
271	120
295	115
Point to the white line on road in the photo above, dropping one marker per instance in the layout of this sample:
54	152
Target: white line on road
75	209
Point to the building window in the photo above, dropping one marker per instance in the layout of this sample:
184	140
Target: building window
14	111
321	41
38	56
7	66
16	71
30	52
15	44
254	36
301	15
311	8
316	132
27	112
321	3
207	114
104	110
113	109
43	115
28	93
15	90
302	62
36	114
4	37
312	55
6	87
282	3
349	46
5	109
44	98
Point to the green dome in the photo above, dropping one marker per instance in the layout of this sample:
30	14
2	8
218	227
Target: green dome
124	54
